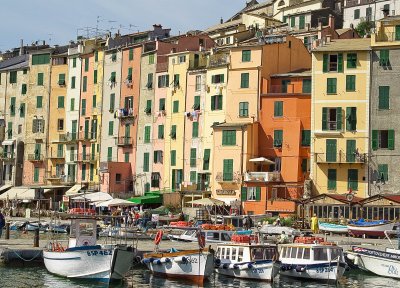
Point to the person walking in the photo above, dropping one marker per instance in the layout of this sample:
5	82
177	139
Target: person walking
314	224
2	223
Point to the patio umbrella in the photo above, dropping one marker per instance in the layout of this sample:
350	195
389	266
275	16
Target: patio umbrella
115	202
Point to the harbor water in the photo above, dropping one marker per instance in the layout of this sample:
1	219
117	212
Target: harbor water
12	277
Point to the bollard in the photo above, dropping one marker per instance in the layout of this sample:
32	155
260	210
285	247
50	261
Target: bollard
36	238
7	230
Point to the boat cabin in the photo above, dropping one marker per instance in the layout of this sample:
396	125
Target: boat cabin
303	253
217	235
82	233
237	253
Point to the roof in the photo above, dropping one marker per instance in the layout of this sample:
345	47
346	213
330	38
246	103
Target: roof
338	197
391	197
223	25
222	125
18	62
342	31
362	44
296	73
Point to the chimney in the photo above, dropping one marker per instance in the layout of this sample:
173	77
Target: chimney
331	21
21	48
328	38
320	25
221	20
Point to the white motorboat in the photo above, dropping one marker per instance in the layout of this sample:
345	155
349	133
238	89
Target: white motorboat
243	259
311	258
192	265
83	258
211	236
333	228
383	263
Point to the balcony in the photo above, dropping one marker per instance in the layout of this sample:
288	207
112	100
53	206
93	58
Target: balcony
235	178
124	141
57	155
287	89
123	113
52	177
7	156
72	157
331	129
218	60
87	136
35	157
87	157
262	177
352	3
341	158
68	138
387	36
67	179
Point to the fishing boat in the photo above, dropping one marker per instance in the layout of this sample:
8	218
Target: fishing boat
383	263
193	265
83	258
245	258
217	234
311	258
332	227
374	228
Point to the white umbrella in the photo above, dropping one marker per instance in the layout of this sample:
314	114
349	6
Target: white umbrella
115	202
94	197
208	202
262	159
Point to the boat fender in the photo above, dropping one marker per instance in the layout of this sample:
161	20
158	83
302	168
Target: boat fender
147	260
246	266
357	260
283	268
351	257
181	259
217	262
157	262
225	266
233	266
300	268
137	260
165	260
158	238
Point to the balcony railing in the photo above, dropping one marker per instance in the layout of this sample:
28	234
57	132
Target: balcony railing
69	137
57	155
67	179
218	60
351	3
72	157
86	135
341	157
235	177
124	141
125	113
7	156
288	89
262	177
87	157
50	176
35	157
387	37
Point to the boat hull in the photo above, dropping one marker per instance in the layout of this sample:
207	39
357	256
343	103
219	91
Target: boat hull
372	230
322	271
333	228
378	262
197	267
260	270
122	261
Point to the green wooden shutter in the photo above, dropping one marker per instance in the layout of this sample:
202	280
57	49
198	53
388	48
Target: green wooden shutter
258	193
206	159
173	157
109	154
306	86
60	102
384	97
110	128
352	182
339	118
162	104
22	110
112	102
278	108
12	106
325	63
391	139
331	150
219	106
23	89
349	126
146	159
84	84
195	130
324	118
39	101
292	21
331	179
383	172
175	106
95	76
130	54
36	174
126	157
243	194
86	64
228	170
160	131
147	134
305	137
196	105
302	21
340	62
83	107
397	37
193	157
213	102
350	83
350	150
374	140
40	79
304	165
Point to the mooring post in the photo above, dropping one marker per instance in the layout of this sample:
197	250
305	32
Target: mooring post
7	230
36	238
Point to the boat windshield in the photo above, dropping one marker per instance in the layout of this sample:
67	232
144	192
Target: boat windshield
225	237
262	253
335	254
320	254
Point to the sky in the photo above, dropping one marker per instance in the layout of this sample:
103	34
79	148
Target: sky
58	22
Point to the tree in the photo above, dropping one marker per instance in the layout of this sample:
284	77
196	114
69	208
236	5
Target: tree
364	28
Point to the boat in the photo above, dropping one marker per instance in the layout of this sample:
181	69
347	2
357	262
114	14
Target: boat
212	234
245	258
83	258
270	229
33	226
374	228
311	258
193	265
62	228
383	263
332	227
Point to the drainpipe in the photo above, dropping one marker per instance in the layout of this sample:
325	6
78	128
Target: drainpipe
5	109
48	122
241	162
120	98
369	126
184	127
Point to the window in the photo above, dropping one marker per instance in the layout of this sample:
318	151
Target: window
302	21
73	80
243	109
173	132
147	134
350	83
331	85
320	254
397	33
246	55
83	172
60	124
40	79
351	118
216	102
163	81
147	187
351	151
253	193
332	63
198	83
112	102
383	172
22	110
147	110
331	149
219	78
229	137
13	77
383	139
86	64
94	101
292	21
278	108
60	150
206	159
305	138
72	104
352	177
73	62
40	59
39	101
146	161
386	8
155	180
304	165
12	106
118	178
351	60
181	59
244	80
38	126
332	119
36	174
173	157
83	107
95	76
158	156
151	58
175	106
227	174
193	157
368	13
195	129
161	104
9	130
278	138
356	14
149	84
110	128
176	80
306	88
61	79
60	103
84	84
384	98
126	157
24	89
384	57
130	54
114	56
109	154
193	177
160	131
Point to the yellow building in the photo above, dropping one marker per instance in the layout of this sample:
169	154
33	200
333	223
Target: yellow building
340	116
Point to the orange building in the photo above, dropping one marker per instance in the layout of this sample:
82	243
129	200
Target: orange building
284	140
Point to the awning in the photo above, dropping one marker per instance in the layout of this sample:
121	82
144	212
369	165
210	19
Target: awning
74	190
94	197
14	193
115	202
207	202
148	199
262	160
8	142
5	187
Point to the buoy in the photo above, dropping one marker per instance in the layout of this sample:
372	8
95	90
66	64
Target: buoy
181	259
158	238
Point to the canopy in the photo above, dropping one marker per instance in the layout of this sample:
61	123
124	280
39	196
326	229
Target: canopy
208	202
94	197
115	202
4	187
74	190
150	198
262	159
21	193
